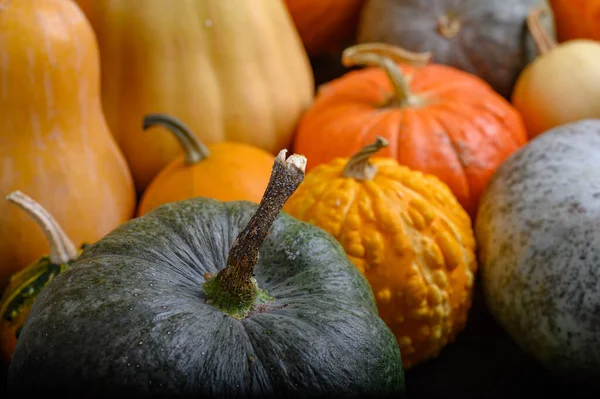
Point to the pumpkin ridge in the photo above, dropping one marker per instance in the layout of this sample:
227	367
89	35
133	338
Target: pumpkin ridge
460	174
508	131
367	128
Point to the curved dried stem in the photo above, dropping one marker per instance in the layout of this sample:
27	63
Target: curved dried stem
193	149
387	57
359	166
62	249
543	41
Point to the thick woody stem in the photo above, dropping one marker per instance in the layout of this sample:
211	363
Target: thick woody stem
359	166
62	250
233	290
193	149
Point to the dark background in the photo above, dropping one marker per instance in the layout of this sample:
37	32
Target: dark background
485	363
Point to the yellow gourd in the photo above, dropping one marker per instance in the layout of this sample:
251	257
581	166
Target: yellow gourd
234	70
407	234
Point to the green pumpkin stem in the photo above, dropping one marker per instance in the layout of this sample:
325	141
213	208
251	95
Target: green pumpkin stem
543	41
233	290
193	149
359	166
62	250
387	57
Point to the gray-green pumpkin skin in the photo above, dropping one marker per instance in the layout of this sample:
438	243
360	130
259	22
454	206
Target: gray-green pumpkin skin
492	42
129	316
538	231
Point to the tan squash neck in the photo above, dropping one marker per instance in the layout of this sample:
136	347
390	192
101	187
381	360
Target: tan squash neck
543	41
359	166
194	150
387	57
62	250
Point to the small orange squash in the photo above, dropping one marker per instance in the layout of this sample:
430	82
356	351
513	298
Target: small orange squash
561	85
437	119
407	234
220	171
576	19
54	141
26	284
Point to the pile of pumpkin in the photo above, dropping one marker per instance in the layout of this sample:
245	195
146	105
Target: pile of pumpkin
448	148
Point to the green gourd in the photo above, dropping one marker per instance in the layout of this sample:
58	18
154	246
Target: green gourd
201	298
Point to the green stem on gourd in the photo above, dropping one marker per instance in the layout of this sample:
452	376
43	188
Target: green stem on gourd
359	166
193	149
543	41
233	290
387	57
62	250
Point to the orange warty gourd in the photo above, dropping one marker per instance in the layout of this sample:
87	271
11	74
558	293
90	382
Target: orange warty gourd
225	171
436	118
54	141
324	25
25	285
407	234
234	70
561	85
576	19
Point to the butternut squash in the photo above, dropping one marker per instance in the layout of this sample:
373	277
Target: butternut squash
54	142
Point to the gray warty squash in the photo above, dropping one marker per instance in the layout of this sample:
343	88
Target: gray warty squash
538	230
178	303
484	37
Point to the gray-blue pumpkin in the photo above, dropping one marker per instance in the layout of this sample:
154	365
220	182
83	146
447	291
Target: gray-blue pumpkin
151	310
538	231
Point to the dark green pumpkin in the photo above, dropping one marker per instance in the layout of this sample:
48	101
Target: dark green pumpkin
130	316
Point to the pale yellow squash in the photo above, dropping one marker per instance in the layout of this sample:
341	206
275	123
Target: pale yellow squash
234	70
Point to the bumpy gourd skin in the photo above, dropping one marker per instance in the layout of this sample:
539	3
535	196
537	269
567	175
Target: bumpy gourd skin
407	234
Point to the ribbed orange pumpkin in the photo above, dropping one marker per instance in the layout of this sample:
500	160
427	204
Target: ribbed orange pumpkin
437	119
324	25
576	19
407	234
226	171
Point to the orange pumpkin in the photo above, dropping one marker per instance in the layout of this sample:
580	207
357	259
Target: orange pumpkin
407	234
324	25
576	19
220	171
54	140
436	118
562	85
